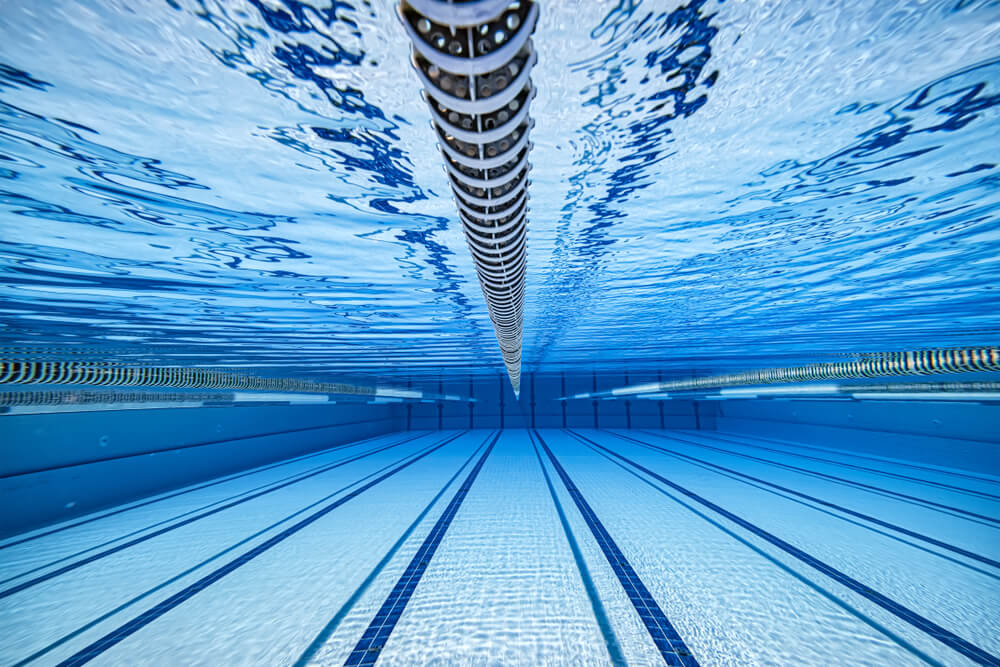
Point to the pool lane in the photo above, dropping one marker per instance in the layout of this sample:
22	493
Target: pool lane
67	564
368	648
731	601
938	605
35	618
247	602
664	635
503	587
961	531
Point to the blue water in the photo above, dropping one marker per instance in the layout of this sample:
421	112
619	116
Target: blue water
715	186
253	186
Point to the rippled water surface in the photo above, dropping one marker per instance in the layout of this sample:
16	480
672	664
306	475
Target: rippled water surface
715	185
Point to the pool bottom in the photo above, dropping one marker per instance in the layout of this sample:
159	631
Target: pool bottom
525	547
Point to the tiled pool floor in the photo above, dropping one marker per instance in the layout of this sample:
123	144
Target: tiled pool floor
526	547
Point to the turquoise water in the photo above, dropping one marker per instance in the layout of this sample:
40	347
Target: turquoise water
504	585
717	185
253	187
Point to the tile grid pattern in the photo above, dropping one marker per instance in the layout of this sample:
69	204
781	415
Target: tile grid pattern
119	634
946	637
663	633
369	647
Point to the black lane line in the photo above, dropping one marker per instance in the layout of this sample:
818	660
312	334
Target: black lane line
820	501
122	632
299	476
771	559
221	480
219	554
69	567
946	637
166	450
875	471
600	614
663	633
930	504
324	635
854	455
369	647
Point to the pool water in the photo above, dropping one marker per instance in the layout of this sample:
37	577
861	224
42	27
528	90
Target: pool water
249	192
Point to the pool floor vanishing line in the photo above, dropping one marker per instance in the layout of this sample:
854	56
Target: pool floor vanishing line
184	522
119	634
666	638
324	635
946	637
936	506
867	517
369	647
184	491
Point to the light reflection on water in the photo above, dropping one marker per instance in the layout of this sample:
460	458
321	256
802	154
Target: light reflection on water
715	186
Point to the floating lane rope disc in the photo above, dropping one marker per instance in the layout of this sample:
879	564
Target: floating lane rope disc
474	59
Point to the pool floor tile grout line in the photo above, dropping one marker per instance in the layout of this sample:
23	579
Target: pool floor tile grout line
932	629
773	560
885	473
369	647
177	577
324	635
17	588
858	455
597	606
183	491
867	517
122	632
913	500
666	638
179	448
269	486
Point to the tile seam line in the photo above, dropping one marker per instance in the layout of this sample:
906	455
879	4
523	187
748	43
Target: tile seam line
597	606
182	491
858	455
87	560
324	635
935	631
654	619
219	554
167	450
857	428
400	595
219	505
929	504
941	485
875	520
776	562
116	636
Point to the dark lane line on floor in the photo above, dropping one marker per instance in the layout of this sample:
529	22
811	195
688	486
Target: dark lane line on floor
840	508
885	473
857	455
600	614
773	560
324	635
930	504
269	486
946	637
219	554
664	635
370	646
180	524
178	448
122	632
216	482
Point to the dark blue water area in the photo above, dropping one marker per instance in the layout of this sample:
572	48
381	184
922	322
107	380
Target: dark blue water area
716	186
